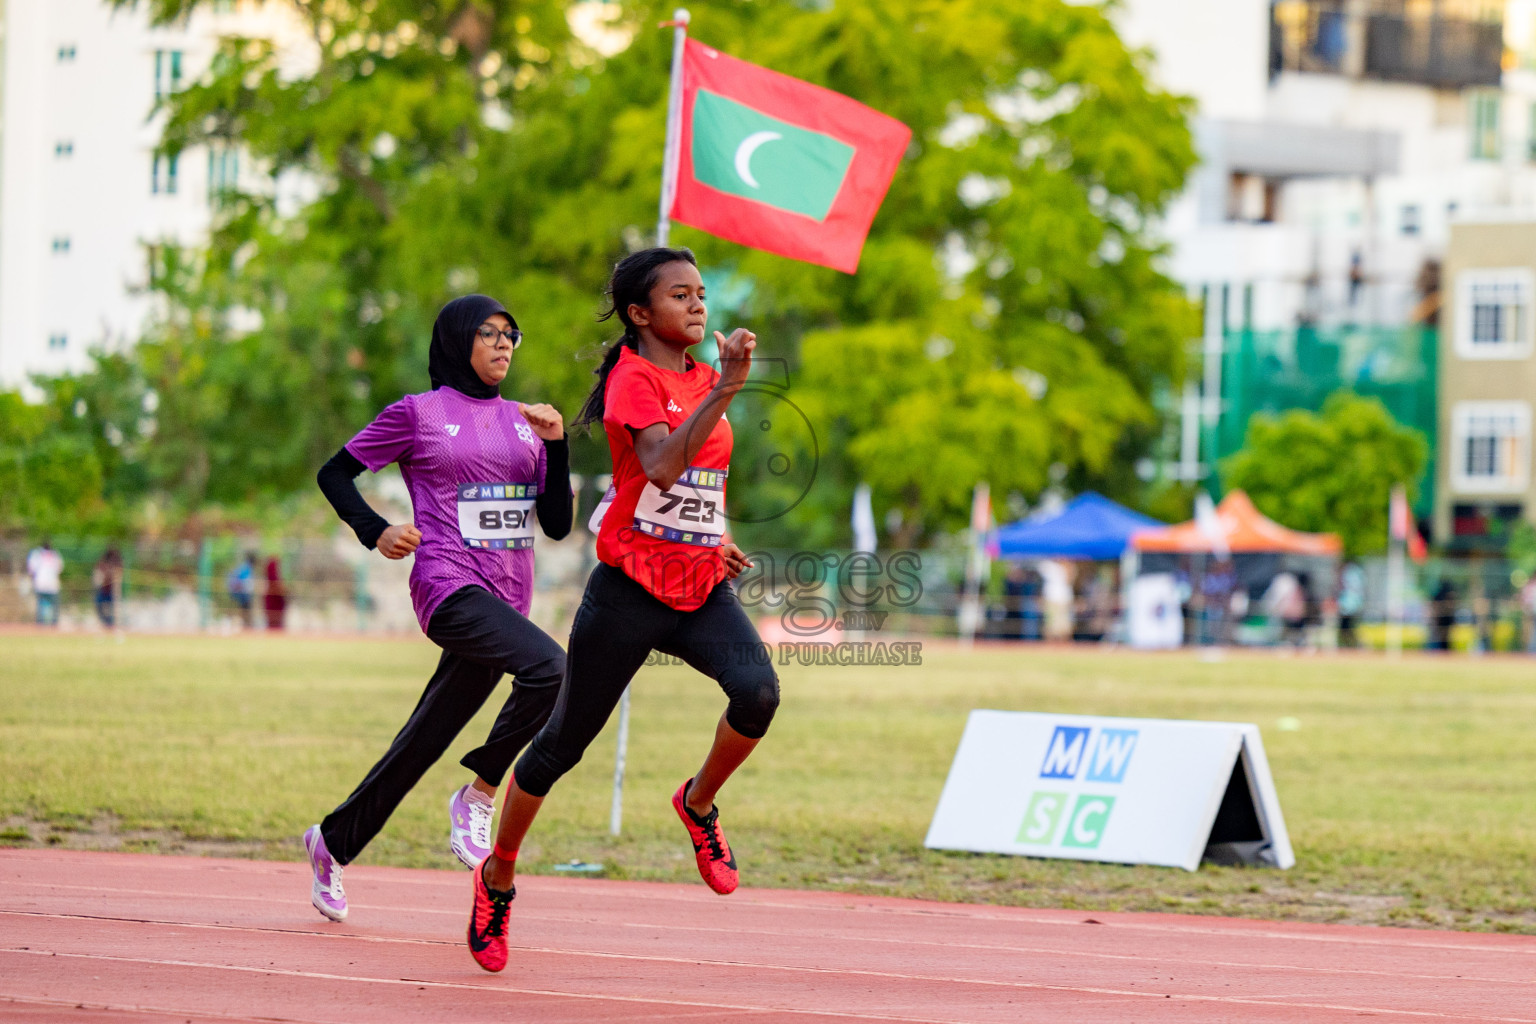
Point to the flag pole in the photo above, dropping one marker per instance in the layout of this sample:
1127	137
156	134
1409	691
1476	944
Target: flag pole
620	755
670	157
977	565
1397	569
669	161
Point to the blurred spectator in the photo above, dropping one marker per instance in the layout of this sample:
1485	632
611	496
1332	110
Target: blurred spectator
1184	583
1286	605
275	601
1013	601
1216	588
107	584
44	567
1030	586
1056	589
1351	603
1442	616
1237	607
1096	611
241	584
1296	625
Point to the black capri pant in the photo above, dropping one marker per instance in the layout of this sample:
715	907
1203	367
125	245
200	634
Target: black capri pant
482	637
616	628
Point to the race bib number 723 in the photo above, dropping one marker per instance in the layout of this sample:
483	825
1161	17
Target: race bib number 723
692	511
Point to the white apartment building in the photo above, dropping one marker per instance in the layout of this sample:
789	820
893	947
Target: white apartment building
1339	140
81	192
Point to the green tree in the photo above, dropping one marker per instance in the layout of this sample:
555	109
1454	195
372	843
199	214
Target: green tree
50	477
1008	313
1330	471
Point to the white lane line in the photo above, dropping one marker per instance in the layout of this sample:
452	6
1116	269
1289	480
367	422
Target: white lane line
500	989
864	973
1516	945
162	1011
1146	959
1149	959
180	1015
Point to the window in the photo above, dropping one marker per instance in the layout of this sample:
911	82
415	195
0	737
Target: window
223	172
1491	447
1494	521
58	341
61	244
1493	313
1485	125
167	72
1408	219
162	175
63	148
66	53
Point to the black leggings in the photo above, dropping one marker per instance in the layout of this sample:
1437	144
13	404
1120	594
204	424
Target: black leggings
481	636
617	626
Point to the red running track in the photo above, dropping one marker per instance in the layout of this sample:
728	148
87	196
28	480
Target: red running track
135	939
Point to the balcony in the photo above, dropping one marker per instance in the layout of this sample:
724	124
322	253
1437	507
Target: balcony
1444	44
1447	53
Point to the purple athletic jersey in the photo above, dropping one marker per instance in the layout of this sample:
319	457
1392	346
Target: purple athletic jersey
472	466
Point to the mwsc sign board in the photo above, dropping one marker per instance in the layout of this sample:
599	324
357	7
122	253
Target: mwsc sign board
1123	790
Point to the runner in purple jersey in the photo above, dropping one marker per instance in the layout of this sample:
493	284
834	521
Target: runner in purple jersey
479	470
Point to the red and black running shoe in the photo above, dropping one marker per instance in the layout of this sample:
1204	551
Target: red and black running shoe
488	922
717	864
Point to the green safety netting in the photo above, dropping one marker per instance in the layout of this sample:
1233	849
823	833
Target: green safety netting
1272	371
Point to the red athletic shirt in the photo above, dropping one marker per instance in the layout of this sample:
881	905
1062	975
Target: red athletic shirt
667	541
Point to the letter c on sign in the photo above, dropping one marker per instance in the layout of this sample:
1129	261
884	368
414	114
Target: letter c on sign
1081	834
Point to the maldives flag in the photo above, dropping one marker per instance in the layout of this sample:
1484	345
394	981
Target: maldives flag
780	164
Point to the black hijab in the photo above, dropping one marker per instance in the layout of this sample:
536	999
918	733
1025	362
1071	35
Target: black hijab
453	339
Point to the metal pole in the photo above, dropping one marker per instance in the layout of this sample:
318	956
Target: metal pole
205	584
616	814
1397	583
670	158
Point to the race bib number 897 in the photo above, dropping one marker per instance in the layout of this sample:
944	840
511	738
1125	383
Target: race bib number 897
692	511
497	516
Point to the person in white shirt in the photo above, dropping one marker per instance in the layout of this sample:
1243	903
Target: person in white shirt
44	566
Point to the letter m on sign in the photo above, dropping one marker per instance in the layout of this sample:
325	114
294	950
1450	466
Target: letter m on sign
1065	753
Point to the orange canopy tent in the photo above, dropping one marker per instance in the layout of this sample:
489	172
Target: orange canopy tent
1245	529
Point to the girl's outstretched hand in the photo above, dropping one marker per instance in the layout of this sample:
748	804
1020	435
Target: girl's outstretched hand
735	358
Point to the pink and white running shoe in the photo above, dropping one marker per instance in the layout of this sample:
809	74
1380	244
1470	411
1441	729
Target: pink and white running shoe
327	894
469	826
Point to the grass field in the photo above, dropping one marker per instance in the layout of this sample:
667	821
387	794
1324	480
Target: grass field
1409	787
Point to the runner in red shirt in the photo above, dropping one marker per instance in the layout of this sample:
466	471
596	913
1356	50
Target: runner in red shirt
663	579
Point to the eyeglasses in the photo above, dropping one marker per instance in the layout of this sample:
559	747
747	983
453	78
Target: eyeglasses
488	335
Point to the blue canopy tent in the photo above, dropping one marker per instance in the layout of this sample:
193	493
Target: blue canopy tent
1090	527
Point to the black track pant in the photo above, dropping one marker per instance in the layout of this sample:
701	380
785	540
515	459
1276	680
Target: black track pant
481	637
616	628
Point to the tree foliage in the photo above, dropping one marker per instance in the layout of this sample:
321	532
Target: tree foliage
1008	314
1333	470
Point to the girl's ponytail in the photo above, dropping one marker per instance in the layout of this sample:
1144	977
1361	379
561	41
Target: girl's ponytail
592	408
